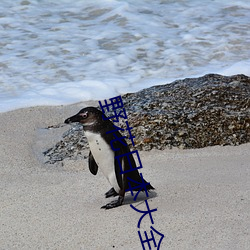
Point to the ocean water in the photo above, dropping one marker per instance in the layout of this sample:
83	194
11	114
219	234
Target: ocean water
61	52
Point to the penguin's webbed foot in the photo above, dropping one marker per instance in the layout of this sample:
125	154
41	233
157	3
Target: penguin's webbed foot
113	204
111	193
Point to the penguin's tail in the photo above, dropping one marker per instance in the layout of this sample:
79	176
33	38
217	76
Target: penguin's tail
147	186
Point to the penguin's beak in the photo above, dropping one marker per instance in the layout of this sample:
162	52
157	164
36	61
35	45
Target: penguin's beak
74	118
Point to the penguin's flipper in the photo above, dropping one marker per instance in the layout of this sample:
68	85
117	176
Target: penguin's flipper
93	167
113	204
111	193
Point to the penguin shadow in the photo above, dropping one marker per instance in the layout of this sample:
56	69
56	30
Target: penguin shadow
130	200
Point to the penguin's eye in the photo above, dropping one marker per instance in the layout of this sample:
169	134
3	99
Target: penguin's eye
84	115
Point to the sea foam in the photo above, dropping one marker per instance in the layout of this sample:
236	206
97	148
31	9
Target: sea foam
63	52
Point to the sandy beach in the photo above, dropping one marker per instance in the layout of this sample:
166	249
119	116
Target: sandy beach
202	196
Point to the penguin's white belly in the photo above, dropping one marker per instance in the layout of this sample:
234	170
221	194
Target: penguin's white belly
104	157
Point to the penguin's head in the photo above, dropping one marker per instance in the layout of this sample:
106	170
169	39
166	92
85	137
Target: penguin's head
87	117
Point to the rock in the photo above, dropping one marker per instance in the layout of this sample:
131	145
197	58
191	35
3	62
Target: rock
190	113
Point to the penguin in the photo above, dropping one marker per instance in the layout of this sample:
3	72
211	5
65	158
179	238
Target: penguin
102	155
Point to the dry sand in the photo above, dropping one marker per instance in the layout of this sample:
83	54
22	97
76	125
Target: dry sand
202	196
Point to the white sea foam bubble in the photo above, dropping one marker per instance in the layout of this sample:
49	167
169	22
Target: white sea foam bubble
60	52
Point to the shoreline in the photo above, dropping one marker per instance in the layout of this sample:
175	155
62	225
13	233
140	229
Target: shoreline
202	195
